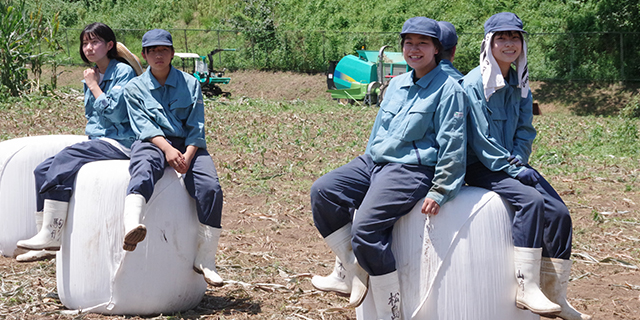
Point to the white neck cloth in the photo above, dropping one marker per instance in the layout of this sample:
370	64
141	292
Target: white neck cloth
492	79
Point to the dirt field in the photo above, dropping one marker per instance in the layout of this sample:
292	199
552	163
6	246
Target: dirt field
271	245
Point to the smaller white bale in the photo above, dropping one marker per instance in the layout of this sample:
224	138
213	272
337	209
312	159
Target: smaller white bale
457	264
18	158
95	274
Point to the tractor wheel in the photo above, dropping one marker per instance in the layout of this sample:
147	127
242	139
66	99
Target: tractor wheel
346	102
372	93
215	90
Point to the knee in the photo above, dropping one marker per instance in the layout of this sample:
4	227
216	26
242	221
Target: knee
317	190
40	170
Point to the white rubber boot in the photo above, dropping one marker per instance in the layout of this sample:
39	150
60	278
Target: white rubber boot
554	279
205	262
335	282
355	277
36	255
528	295
53	218
134	231
386	296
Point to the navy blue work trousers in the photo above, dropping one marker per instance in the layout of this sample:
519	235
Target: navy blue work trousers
201	180
381	192
541	217
56	175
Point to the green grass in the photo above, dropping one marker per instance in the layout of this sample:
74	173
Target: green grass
575	145
259	141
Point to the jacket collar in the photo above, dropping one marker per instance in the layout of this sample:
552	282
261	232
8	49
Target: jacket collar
172	78
424	81
108	74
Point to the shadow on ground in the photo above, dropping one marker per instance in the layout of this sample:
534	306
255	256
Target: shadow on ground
586	98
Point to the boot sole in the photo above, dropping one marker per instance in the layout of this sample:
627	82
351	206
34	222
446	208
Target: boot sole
133	237
340	293
47	256
540	313
36	249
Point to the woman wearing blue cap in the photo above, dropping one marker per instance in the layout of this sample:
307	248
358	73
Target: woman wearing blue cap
500	136
416	149
449	40
167	114
108	128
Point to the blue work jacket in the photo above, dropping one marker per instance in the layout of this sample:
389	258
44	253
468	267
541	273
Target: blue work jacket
107	115
448	67
500	127
174	109
424	123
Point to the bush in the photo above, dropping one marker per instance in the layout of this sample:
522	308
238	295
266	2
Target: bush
22	34
15	46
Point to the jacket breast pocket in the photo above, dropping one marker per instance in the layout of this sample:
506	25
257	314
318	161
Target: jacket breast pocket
388	116
496	121
180	108
419	121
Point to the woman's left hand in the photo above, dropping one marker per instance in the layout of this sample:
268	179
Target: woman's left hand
430	206
189	154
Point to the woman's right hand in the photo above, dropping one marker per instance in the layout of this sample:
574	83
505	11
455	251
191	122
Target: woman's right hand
91	77
176	160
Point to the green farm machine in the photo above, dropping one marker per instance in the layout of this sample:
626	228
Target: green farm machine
209	78
364	77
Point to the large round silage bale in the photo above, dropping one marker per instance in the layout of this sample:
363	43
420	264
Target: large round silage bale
457	264
18	158
95	274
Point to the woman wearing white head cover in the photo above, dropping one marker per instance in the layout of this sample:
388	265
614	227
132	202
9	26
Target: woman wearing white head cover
500	136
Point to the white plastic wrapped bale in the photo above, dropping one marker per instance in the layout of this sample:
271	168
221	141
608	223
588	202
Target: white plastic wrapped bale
18	158
457	264
95	274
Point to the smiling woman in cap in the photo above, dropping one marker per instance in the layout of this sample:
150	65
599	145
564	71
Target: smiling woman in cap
500	137
415	155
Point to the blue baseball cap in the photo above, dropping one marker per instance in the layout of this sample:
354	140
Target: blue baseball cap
448	36
421	25
157	37
503	21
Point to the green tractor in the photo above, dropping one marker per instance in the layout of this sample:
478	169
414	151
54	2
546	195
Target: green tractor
364	77
209	78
